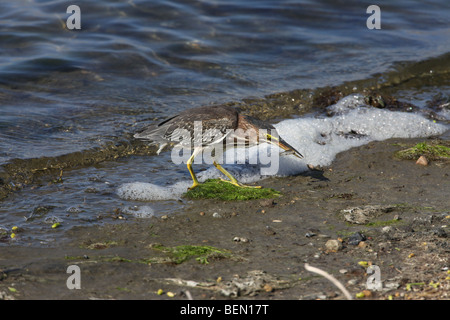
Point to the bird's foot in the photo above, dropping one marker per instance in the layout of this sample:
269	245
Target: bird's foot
193	186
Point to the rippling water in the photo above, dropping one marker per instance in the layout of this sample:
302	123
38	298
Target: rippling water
63	91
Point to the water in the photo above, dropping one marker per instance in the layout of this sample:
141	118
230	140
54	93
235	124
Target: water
63	92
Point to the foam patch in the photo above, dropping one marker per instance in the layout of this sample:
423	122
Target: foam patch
143	191
140	211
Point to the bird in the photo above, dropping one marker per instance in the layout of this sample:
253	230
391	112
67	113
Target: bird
225	122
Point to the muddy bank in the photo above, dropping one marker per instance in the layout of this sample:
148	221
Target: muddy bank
259	247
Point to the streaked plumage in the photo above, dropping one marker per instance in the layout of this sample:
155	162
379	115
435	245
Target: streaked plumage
217	122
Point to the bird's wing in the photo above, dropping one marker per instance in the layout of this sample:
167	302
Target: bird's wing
215	123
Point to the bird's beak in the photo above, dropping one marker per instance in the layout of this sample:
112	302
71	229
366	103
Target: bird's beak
279	142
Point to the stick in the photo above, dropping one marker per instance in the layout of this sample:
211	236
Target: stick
329	277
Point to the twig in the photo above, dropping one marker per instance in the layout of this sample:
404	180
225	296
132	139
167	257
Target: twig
188	295
329	277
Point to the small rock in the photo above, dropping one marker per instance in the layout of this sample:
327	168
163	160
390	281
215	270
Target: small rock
310	234
367	293
356	238
216	215
240	239
333	245
362	244
268	288
343	271
422	161
386	229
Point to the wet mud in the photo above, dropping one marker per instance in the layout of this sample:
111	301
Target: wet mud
257	249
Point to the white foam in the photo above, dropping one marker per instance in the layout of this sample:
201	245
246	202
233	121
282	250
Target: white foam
143	191
140	211
318	139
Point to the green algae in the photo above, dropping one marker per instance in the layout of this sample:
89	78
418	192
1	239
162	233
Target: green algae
182	253
218	189
432	151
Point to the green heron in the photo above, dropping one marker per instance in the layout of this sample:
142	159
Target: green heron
225	121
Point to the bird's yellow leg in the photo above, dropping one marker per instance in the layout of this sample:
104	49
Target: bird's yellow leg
189	166
232	179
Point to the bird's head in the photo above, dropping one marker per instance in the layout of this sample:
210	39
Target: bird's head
268	133
279	142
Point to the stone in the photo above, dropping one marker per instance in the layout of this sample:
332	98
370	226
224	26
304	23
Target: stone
386	229
422	161
356	238
333	245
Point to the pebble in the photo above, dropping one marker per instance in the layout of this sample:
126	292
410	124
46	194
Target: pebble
362	244
367	293
356	238
386	229
240	239
422	161
333	245
216	215
268	288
